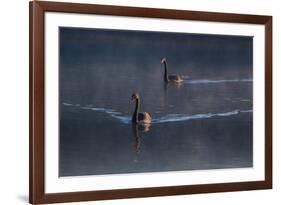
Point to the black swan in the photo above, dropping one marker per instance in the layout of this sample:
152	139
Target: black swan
140	117
167	78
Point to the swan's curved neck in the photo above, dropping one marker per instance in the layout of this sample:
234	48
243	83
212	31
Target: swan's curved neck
136	112
166	72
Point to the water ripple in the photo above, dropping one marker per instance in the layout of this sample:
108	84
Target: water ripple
206	81
163	119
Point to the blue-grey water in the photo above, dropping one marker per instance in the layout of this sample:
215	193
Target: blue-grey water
205	122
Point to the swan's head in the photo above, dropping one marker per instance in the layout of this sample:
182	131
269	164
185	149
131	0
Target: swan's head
163	60
135	96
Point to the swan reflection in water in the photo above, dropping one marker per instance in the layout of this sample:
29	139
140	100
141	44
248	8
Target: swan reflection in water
171	86
138	131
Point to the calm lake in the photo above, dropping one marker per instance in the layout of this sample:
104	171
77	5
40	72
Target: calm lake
205	122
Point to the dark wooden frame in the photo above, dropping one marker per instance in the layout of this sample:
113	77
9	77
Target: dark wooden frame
37	194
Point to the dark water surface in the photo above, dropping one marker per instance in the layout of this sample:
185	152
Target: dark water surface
203	123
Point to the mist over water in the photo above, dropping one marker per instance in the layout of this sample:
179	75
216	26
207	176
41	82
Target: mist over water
203	123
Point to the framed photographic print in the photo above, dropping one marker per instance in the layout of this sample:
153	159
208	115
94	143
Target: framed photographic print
138	102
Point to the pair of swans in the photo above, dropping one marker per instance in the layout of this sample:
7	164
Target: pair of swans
145	117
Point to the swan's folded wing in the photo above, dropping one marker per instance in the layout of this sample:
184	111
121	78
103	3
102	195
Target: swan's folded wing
148	115
176	78
144	117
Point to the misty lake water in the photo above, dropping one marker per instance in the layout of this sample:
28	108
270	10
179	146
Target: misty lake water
205	122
